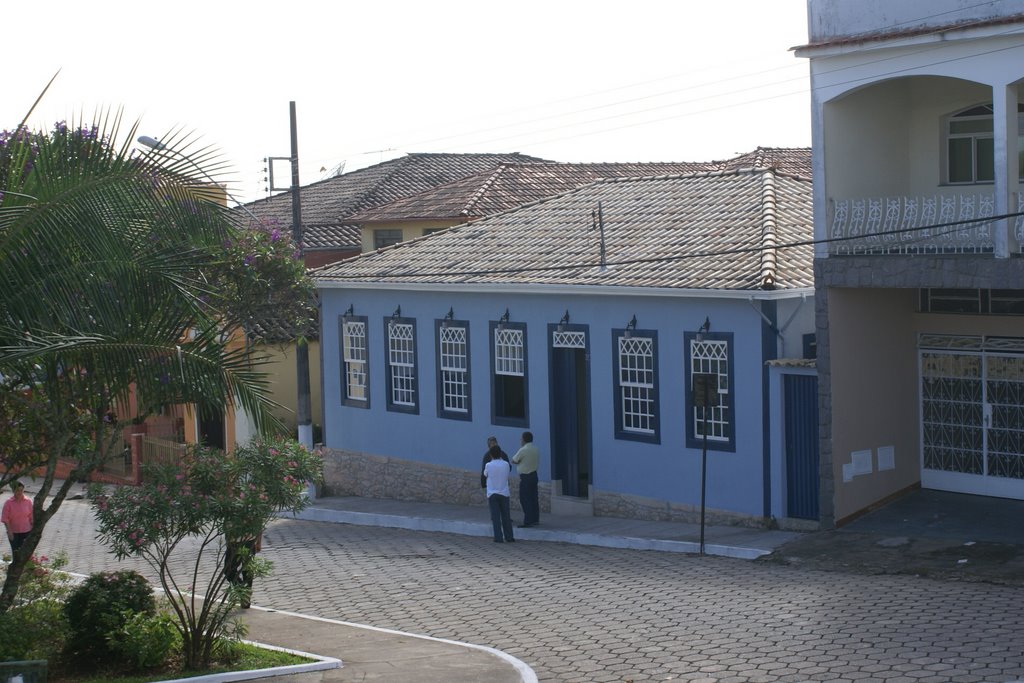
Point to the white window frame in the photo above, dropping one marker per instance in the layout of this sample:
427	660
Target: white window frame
637	380
354	357
711	356
401	358
453	368
508	359
975	137
509	356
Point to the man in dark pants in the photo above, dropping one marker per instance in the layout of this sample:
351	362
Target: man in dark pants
17	516
527	458
496	472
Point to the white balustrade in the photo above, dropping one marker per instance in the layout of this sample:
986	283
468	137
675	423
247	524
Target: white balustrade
938	224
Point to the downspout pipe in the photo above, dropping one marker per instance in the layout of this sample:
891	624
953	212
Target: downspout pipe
771	325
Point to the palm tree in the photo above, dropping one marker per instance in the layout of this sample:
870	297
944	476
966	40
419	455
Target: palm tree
109	269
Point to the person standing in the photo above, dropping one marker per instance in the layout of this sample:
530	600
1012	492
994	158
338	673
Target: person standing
493	451
497	472
238	556
527	459
17	516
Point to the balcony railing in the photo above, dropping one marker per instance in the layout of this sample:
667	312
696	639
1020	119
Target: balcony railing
918	225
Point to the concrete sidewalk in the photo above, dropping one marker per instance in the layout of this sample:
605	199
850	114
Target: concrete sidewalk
373	654
609	532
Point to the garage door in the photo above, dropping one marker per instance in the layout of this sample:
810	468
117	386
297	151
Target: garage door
972	414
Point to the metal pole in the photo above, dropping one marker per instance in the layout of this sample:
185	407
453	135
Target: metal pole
704	466
303	411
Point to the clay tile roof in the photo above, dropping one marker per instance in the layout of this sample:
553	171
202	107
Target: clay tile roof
712	230
328	204
510	185
791	160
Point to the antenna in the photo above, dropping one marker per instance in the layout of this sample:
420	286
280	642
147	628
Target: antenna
598	217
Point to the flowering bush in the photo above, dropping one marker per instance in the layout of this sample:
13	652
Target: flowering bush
215	497
263	280
19	148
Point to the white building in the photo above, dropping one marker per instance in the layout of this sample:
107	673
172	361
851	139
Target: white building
918	270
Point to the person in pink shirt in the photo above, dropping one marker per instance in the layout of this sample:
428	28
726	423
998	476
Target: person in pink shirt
17	516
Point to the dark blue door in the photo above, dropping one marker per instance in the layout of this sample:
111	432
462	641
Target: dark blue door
801	432
570	421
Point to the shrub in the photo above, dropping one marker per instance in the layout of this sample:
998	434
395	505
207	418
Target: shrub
99	607
35	626
34	630
146	640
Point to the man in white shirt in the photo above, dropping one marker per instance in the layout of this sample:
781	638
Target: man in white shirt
496	472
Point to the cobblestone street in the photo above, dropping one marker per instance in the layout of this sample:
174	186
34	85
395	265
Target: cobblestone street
577	613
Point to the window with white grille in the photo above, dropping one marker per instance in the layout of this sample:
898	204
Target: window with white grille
453	370
637	385
508	352
711	355
401	365
508	360
569	339
355	375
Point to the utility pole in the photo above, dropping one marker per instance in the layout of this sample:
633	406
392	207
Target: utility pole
303	410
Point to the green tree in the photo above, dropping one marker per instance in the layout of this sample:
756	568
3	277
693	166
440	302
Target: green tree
118	272
213	498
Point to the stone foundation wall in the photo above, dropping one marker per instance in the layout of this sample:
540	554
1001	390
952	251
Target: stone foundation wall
349	473
609	504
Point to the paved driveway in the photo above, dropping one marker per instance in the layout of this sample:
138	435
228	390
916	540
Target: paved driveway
577	613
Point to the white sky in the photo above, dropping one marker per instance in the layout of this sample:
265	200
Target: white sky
568	80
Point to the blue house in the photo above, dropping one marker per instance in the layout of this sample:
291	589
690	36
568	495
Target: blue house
588	319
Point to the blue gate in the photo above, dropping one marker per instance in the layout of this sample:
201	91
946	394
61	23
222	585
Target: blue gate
801	433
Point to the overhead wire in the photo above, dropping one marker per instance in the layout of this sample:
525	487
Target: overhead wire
952	225
697	112
761	86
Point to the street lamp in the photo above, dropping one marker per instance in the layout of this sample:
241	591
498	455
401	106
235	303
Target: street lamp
158	146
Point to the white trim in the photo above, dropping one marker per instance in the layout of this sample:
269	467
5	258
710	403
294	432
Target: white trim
938	34
580	290
976	484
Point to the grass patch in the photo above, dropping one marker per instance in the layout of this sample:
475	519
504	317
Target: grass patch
243	657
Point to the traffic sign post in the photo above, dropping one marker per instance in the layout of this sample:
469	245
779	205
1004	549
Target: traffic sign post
705	396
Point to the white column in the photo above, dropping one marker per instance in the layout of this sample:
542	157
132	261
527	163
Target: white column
1004	123
819	187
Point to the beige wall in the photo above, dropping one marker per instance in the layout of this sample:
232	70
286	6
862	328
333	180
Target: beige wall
874	391
410	229
875	375
283	386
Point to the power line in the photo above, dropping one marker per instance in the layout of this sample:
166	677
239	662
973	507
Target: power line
951	225
695	87
707	110
746	102
491	141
